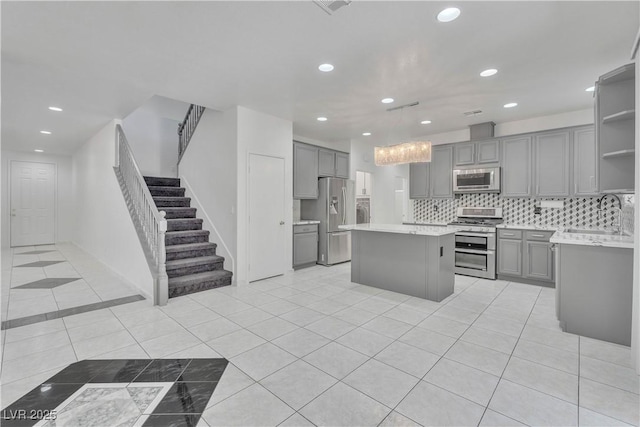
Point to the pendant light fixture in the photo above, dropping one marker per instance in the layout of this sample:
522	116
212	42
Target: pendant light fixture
406	152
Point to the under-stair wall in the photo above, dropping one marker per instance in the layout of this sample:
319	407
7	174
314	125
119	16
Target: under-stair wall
208	169
102	223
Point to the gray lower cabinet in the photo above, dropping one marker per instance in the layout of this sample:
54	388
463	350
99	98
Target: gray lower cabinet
441	172
305	171
510	255
551	160
594	291
305	245
516	166
585	179
526	254
538	262
418	180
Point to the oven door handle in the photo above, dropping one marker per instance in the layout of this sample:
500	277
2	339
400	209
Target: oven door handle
474	251
465	234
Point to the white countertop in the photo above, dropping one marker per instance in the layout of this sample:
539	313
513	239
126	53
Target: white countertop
605	240
306	222
421	230
545	227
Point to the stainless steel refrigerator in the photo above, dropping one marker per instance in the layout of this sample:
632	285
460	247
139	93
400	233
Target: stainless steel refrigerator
335	206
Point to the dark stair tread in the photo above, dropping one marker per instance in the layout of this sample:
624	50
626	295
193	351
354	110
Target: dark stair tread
188	262
161	190
198	277
164	187
180	233
162	181
171	199
190	247
174	212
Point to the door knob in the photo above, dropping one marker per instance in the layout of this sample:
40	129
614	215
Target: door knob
281	222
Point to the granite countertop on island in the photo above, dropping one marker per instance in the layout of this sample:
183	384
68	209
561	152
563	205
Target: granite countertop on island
420	230
585	239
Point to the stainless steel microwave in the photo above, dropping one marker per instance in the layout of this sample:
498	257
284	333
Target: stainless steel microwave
476	180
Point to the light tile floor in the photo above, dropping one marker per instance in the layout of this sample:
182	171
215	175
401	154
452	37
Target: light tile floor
311	348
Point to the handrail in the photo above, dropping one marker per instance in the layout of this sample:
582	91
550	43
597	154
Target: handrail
151	222
188	127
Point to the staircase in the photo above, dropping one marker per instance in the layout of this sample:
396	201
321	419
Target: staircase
192	264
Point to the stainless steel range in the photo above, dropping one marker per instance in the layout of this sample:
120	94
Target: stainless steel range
475	247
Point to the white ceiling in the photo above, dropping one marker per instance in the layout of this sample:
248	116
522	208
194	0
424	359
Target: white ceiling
102	60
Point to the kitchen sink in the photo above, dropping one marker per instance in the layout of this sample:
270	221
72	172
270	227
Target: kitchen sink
601	232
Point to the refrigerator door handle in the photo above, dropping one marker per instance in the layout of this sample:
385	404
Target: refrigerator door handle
344	205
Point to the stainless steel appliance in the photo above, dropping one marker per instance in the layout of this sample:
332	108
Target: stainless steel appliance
475	241
335	206
476	180
363	207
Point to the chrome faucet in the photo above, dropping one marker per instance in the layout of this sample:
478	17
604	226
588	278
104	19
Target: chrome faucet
619	224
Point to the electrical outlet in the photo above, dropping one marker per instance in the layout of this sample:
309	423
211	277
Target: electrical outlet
537	210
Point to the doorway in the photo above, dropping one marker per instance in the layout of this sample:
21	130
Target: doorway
401	206
364	189
32	203
266	217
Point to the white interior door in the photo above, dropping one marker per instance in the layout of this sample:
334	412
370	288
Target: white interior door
266	217
32	203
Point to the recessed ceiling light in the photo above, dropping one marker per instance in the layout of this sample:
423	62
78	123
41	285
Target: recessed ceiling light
489	72
425	122
46	132
55	108
366	134
325	67
37	150
510	105
322	119
387	100
448	14
590	89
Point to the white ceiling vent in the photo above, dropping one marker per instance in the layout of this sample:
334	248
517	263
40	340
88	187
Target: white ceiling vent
473	113
331	6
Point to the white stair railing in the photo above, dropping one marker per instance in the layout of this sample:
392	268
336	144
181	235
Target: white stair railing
150	223
188	127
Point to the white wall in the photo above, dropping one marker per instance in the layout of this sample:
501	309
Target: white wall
102	225
260	133
554	121
383	196
64	203
154	141
340	146
209	171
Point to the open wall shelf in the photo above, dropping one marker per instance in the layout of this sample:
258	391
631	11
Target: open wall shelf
622	115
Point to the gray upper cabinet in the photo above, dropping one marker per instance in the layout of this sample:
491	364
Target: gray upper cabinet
488	151
585	181
326	163
516	166
476	153
418	180
342	165
333	163
442	172
464	154
305	171
551	152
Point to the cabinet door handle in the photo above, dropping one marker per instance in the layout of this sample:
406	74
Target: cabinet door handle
575	188
537	235
508	234
592	181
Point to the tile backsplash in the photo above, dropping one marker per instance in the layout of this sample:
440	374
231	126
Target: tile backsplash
578	212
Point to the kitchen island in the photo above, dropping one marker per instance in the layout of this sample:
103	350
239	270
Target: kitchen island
409	259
